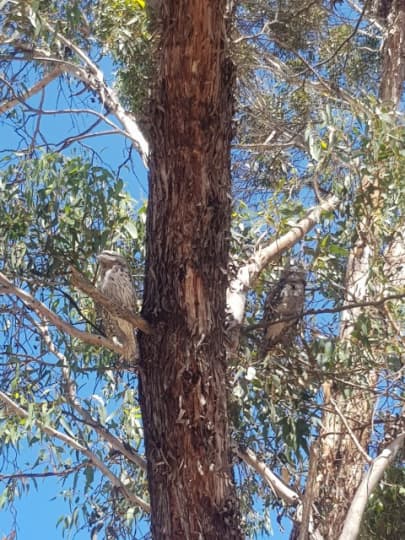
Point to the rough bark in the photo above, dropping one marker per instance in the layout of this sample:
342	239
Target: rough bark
182	368
347	421
393	66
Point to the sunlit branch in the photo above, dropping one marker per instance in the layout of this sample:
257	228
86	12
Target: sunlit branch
92	77
248	273
51	317
297	232
279	488
40	85
107	95
370	480
87	133
16	409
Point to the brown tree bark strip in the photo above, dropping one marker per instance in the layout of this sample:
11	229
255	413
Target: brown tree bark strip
182	369
393	67
307	517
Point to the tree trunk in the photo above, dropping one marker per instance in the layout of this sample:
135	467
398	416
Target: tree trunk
393	65
182	368
341	463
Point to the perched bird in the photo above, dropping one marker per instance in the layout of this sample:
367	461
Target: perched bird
116	283
283	307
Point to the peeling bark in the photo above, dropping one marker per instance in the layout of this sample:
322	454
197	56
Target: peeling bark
182	369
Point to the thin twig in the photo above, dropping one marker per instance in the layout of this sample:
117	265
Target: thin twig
350	431
13	407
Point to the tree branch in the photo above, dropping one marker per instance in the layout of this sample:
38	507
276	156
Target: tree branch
106	94
94	460
276	484
370	480
115	443
92	77
248	273
350	431
51	317
10	104
63	473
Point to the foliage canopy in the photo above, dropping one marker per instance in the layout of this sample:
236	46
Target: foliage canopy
309	125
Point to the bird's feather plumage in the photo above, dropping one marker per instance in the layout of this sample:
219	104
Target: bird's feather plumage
283	307
116	283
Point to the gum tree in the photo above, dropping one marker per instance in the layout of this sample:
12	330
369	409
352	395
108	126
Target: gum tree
272	139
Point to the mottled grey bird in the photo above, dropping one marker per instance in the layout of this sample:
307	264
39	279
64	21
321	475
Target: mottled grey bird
116	283
283	307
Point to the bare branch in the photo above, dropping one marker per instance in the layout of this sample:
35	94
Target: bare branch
370	480
50	316
350	431
92	77
16	409
10	104
79	281
115	443
63	473
276	484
